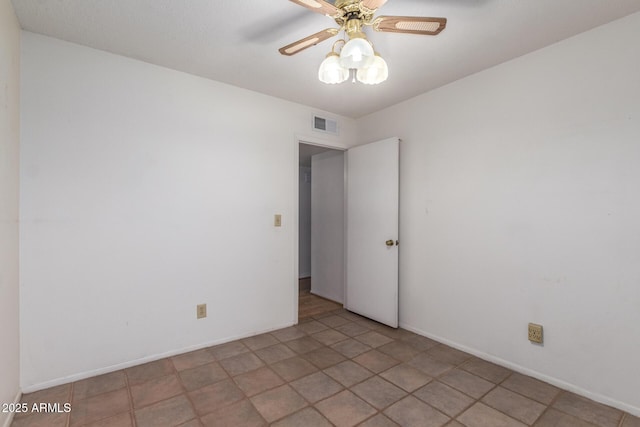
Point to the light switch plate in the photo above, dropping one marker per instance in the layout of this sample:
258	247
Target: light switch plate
277	220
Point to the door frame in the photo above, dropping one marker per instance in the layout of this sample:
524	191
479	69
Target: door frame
310	140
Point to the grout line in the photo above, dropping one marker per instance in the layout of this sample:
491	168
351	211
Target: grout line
622	419
131	409
70	398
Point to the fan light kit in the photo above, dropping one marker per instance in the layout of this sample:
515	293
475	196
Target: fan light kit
357	57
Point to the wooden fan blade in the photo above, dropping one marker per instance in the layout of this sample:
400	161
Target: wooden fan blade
320	6
312	40
373	4
410	24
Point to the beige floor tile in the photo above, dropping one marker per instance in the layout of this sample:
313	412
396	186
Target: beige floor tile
328	313
330	336
241	363
348	373
376	361
420	343
308	417
275	353
257	381
193	359
345	409
514	405
406	377
155	390
411	412
278	403
98	385
444	398
374	339
531	388
312	327
399	350
148	371
350	348
324	357
101	406
260	341
378	420
467	383
41	420
350	315
58	394
121	420
371	324
201	376
352	329
555	418
169	412
378	392
293	368
303	345
395	333
631	421
448	355
230	349
334	321
480	415
288	334
316	386
215	396
588	410
429	365
241	413
487	370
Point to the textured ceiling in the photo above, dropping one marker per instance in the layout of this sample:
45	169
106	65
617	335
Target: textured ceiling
237	41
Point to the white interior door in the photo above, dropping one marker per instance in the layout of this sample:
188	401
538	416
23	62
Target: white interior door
372	230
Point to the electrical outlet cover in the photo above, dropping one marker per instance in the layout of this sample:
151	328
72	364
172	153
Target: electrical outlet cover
535	333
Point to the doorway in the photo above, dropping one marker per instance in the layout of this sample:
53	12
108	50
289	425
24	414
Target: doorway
321	216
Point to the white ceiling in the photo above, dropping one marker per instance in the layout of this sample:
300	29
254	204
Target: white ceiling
237	41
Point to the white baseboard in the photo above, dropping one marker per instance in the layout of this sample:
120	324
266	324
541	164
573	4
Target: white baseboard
633	410
9	420
152	358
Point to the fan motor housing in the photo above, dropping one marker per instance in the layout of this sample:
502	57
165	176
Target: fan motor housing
353	9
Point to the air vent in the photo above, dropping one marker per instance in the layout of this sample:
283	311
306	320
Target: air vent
323	124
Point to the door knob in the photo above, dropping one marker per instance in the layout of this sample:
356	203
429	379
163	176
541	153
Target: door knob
389	242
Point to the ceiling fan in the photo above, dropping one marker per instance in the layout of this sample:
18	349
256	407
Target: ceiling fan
357	53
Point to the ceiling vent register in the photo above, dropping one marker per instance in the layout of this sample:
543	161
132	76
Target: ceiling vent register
323	124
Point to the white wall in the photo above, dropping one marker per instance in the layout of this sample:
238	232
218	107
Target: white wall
304	222
520	203
9	186
146	191
327	225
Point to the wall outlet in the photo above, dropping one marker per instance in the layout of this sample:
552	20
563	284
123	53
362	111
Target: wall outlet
535	333
201	311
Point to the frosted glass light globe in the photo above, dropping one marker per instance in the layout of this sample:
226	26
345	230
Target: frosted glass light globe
331	71
357	53
375	73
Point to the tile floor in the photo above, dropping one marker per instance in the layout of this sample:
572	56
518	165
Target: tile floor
335	368
312	305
